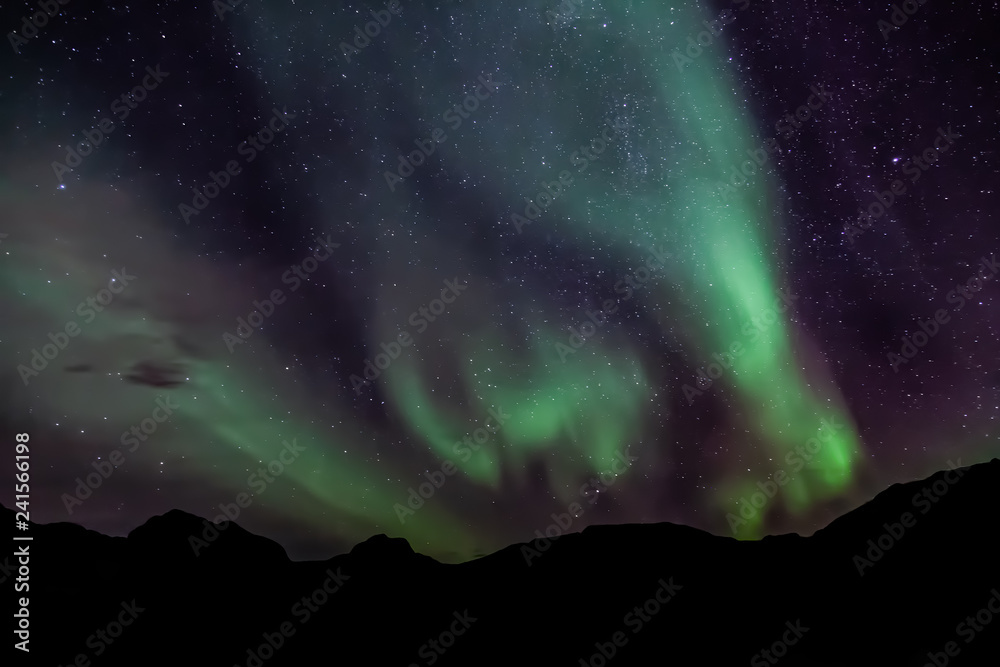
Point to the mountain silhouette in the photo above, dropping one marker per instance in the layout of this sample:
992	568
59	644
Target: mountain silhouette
910	578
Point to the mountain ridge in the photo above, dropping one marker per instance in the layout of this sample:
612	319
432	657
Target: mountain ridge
872	587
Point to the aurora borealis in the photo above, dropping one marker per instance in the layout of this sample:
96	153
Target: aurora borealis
489	209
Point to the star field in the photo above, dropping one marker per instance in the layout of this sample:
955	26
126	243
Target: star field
490	182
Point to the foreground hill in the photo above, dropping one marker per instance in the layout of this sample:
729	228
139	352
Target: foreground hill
910	578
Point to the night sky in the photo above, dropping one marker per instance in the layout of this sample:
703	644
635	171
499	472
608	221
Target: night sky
531	213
